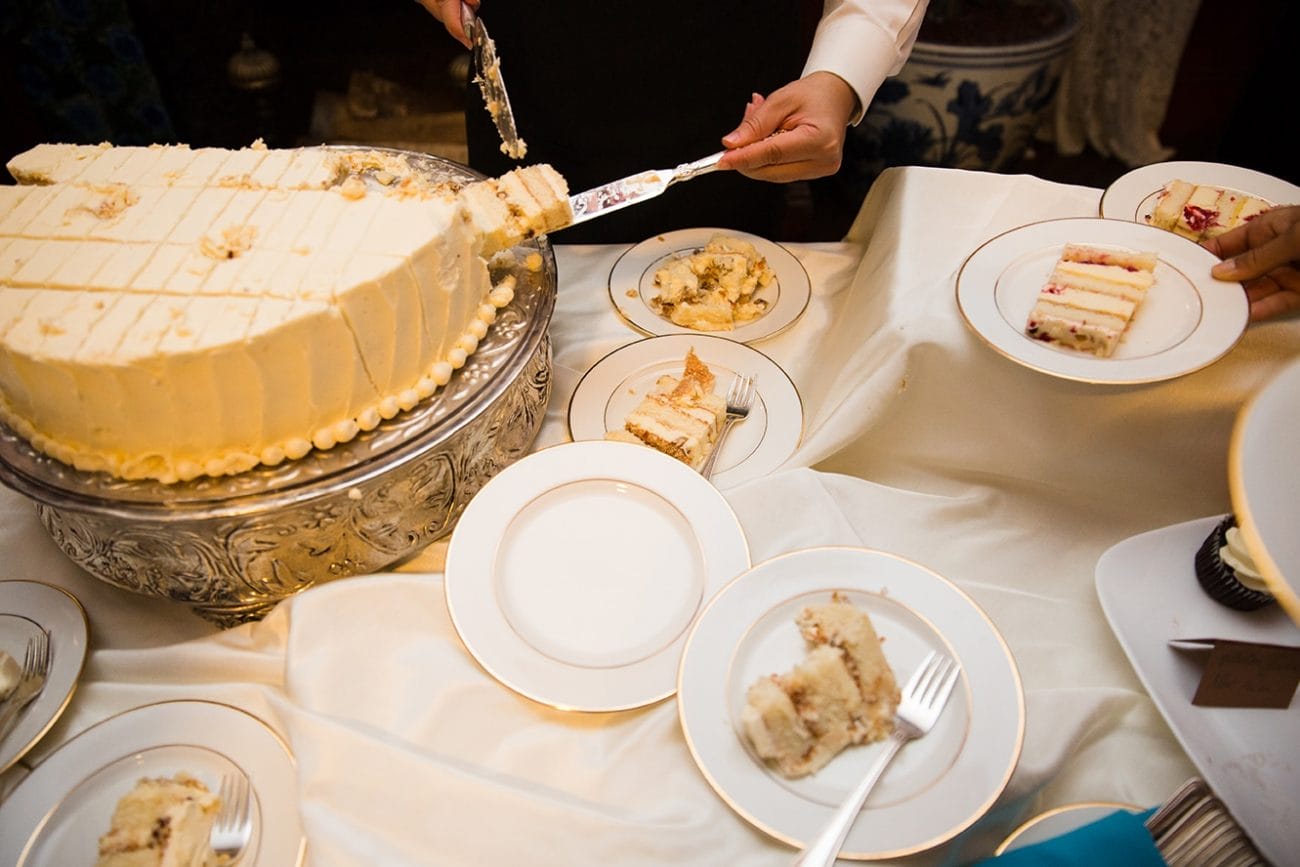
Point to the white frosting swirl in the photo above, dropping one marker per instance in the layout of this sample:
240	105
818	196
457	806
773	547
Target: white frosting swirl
1235	555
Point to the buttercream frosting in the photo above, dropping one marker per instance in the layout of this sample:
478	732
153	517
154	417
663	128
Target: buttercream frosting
167	313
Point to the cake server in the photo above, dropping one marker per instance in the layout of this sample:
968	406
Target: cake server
636	188
487	74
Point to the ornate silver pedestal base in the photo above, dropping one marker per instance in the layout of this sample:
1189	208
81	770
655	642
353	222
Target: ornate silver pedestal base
231	548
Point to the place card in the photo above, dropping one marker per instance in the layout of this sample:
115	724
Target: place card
1244	673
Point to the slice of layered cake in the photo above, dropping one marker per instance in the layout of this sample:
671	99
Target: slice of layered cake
841	693
162	821
1200	211
1090	298
680	416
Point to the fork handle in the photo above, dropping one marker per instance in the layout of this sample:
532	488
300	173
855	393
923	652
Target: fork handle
826	846
707	469
13	707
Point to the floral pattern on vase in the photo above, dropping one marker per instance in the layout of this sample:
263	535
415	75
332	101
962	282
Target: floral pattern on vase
959	107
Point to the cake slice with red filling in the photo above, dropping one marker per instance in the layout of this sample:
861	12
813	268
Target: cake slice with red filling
1090	298
1200	211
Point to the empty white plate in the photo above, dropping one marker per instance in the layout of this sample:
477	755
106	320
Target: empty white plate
575	573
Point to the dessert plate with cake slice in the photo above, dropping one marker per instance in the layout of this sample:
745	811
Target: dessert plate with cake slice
616	385
710	281
937	786
1032	292
1208	188
574	574
58	812
29	607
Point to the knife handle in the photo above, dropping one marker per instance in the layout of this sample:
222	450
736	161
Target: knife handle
686	171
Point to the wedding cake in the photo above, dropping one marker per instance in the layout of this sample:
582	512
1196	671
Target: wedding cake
168	312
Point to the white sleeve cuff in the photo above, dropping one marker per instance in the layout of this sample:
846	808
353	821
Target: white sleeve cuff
864	46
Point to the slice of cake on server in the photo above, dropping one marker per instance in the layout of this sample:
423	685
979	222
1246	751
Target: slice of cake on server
1090	298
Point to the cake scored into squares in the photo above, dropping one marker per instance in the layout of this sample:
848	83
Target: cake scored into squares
168	312
680	416
1091	297
162	822
1200	211
843	692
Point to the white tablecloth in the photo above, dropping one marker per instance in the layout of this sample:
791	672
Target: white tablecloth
919	440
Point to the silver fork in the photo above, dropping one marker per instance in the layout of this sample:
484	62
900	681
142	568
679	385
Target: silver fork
922	700
36	667
233	827
740	399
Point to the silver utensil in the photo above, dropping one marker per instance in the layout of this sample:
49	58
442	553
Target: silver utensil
233	827
36	668
1193	828
487	74
617	195
740	398
922	701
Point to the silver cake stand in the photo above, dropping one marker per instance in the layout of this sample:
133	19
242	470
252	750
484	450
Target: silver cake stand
233	547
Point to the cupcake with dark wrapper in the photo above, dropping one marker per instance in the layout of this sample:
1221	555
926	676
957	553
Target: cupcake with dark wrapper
1226	571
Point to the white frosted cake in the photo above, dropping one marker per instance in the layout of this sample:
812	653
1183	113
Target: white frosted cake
841	693
162	822
168	312
1200	211
680	416
1090	298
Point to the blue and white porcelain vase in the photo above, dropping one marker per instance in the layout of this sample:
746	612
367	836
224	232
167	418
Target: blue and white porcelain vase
963	106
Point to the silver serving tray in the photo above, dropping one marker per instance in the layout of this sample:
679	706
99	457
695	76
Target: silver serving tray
233	547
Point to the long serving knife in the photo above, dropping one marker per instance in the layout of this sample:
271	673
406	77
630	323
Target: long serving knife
487	74
636	188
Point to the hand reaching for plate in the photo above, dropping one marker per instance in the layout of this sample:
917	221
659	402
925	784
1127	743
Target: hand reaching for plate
1264	255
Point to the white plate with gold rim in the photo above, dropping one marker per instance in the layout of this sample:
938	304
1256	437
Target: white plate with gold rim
574	574
1264	479
938	785
1133	195
632	284
59	810
27	607
1187	320
614	386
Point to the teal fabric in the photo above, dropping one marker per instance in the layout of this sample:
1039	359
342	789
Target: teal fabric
1118	840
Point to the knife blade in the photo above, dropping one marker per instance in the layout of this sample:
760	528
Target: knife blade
619	194
487	75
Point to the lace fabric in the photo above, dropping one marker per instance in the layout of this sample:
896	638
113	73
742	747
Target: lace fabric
1118	79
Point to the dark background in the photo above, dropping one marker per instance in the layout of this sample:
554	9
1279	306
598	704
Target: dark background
1234	100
